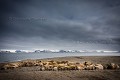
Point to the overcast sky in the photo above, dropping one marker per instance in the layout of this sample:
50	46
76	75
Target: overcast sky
60	24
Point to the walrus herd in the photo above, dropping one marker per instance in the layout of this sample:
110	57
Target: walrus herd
52	65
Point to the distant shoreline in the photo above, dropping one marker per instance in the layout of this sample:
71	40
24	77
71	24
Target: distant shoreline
71	58
11	57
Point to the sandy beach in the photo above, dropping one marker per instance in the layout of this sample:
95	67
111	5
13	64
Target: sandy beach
33	73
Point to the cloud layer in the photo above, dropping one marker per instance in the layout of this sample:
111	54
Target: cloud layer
46	24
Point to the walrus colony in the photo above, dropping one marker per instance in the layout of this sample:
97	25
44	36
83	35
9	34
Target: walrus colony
58	65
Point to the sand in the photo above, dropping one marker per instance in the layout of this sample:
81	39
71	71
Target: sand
33	73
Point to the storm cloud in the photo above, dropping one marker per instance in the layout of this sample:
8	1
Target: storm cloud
60	24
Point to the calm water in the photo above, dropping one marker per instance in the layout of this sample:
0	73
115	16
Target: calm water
8	57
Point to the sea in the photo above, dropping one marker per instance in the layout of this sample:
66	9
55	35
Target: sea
11	57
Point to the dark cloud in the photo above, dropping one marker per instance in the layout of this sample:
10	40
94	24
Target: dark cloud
55	20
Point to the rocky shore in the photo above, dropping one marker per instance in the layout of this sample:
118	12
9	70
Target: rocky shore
66	68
